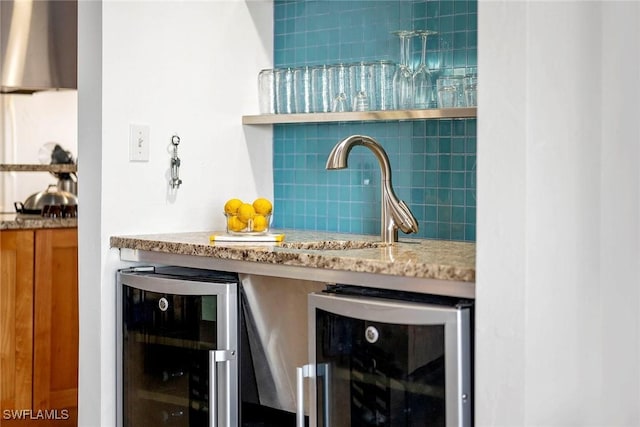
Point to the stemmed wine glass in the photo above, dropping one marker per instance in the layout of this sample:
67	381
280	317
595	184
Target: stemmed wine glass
422	79
403	78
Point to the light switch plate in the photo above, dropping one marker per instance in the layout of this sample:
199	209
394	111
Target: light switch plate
138	143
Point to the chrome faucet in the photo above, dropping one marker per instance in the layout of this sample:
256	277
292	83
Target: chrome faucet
394	213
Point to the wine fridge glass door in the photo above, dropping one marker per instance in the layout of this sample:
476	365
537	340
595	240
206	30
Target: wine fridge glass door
177	368
387	363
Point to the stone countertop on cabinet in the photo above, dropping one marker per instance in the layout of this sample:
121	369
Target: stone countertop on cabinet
321	254
14	221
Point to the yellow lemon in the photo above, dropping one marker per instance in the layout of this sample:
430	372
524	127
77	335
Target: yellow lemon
246	212
262	206
232	205
234	223
259	223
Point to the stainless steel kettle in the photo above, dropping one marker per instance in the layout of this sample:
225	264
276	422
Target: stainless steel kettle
52	196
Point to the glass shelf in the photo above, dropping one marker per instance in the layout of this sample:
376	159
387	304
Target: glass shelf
368	116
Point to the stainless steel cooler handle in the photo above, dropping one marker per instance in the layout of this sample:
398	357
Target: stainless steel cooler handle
309	371
302	372
215	357
324	370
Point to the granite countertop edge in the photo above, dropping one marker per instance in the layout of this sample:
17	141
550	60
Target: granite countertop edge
417	258
12	221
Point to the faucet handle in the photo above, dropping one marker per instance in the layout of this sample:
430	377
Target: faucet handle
404	218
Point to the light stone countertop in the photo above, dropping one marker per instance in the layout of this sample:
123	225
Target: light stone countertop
438	266
14	221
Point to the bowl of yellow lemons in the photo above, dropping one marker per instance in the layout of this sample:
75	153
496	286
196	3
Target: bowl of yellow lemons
248	218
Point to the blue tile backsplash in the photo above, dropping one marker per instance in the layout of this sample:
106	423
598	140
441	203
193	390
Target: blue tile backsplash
433	161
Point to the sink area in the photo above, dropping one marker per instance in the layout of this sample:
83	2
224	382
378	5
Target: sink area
331	245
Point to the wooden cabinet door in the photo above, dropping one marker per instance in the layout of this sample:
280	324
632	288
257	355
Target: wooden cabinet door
55	364
16	319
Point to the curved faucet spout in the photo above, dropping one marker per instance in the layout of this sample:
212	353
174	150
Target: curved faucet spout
394	213
338	157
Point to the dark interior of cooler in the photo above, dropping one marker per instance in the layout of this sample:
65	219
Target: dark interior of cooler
388	385
172	347
392	382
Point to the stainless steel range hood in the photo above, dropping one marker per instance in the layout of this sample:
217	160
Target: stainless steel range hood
38	45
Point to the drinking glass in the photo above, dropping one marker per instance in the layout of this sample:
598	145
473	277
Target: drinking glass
302	89
266	91
449	92
470	85
361	86
422	79
383	72
285	102
403	78
340	88
320	92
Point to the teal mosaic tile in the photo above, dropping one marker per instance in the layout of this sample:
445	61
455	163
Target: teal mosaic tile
461	7
433	161
446	7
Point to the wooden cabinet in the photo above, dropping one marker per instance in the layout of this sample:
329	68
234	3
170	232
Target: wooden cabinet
39	326
16	319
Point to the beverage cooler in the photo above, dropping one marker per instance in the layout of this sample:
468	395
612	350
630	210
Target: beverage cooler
177	347
391	359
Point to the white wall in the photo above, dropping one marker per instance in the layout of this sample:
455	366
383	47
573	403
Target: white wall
188	67
28	122
558	244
